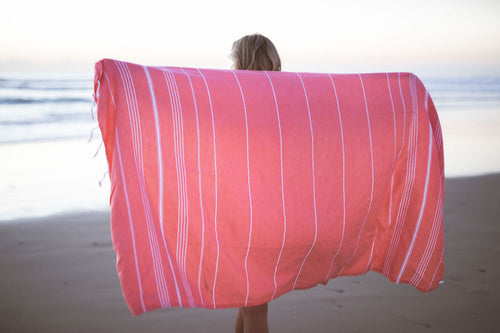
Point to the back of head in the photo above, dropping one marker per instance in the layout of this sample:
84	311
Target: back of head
255	52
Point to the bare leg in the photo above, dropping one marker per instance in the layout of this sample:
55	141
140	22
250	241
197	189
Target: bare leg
253	318
239	323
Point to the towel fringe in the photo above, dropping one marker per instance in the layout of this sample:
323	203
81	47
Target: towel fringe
98	150
92	107
94	100
103	177
92	133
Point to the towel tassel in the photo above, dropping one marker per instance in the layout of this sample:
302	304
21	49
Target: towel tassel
103	177
92	133
94	100
98	149
92	108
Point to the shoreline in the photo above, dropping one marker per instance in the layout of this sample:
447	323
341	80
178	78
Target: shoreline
52	177
69	213
58	275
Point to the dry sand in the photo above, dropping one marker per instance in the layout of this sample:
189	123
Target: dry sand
57	274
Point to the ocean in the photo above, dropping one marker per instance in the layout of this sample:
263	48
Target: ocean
52	161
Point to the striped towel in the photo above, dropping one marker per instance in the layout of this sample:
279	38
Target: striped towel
231	188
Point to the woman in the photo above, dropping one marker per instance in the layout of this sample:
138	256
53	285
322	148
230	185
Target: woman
254	52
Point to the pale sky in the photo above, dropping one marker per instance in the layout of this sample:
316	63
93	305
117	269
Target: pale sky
312	35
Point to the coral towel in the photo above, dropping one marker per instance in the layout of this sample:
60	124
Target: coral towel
231	188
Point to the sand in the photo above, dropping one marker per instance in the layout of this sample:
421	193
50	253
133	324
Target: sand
57	274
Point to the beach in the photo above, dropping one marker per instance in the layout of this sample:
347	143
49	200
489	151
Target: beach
58	264
58	275
57	261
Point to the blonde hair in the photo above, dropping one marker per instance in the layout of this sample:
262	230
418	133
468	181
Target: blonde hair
255	52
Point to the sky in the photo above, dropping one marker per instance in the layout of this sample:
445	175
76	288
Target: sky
459	36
